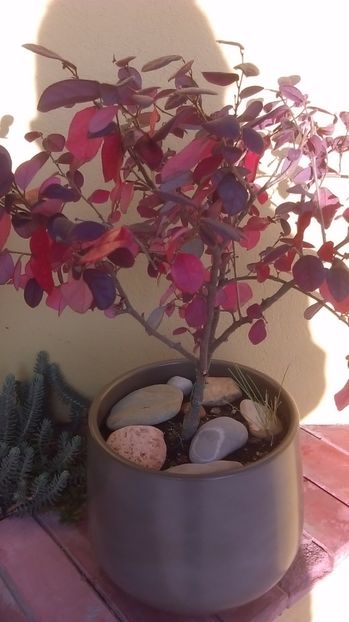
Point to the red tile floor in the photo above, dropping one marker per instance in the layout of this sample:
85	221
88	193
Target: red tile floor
48	572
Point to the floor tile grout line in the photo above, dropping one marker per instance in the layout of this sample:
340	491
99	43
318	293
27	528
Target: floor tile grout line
326	490
15	593
326	441
119	615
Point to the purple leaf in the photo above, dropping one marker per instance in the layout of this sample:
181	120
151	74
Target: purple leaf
59	228
110	94
248	69
155	318
56	191
233	194
195	90
124	61
252	111
249	91
102	118
337	278
257	332
312	310
308	273
42	51
253	141
87	231
223	127
162	61
226	231
149	151
122	257
27	170
53	143
270	255
7	267
67	93
6	176
102	286
220	78
33	293
291	92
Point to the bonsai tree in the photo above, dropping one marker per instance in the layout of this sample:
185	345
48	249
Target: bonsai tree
221	201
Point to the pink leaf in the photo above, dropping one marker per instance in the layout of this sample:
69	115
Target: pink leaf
78	143
5	227
188	273
27	170
195	312
342	397
56	301
232	295
188	157
77	295
257	332
6	267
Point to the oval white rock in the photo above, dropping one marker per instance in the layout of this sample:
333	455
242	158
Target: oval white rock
146	406
217	466
141	444
262	422
216	439
184	384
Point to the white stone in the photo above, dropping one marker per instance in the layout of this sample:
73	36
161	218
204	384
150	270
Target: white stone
216	439
184	384
219	391
217	466
146	406
141	444
261	420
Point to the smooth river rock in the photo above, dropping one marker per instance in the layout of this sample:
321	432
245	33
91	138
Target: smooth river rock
141	444
217	466
184	384
146	406
261	421
216	439
219	391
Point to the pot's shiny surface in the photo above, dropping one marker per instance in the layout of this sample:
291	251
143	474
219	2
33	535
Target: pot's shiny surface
194	544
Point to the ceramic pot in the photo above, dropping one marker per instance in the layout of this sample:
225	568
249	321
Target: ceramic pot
194	544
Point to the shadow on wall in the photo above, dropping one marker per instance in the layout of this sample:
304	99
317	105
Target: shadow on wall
89	33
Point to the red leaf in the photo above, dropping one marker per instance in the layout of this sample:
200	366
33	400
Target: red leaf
195	312
54	143
149	151
27	170
257	332
109	242
99	196
326	251
342	307
250	238
342	397
5	227
112	156
78	143
188	273
221	78
189	156
308	273
206	167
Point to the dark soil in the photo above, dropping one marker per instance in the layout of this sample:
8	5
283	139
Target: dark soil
178	449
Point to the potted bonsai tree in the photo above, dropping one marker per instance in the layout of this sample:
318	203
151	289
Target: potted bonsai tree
225	202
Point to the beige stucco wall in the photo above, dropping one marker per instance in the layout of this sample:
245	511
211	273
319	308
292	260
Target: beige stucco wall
303	38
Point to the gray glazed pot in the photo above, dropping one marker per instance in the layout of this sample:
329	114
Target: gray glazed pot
194	544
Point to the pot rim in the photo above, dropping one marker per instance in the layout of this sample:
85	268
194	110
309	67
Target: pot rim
96	436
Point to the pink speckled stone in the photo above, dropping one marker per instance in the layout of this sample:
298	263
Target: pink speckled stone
142	444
